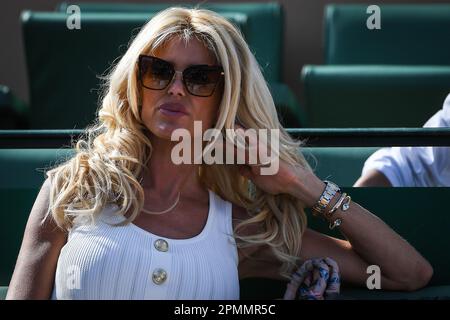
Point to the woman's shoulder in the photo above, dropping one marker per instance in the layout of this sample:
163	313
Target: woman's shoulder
42	202
39	251
40	212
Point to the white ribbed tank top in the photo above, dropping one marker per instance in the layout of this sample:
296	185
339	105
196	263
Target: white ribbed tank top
101	261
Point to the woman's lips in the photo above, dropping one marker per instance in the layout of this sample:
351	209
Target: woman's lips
173	109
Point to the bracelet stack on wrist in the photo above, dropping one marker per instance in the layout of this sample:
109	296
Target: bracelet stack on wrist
343	203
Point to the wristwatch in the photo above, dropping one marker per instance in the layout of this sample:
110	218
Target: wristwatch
328	193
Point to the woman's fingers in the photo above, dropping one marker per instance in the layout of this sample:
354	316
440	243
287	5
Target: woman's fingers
291	291
334	281
315	279
298	277
320	274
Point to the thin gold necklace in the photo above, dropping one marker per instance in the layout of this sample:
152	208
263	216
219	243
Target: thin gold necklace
164	211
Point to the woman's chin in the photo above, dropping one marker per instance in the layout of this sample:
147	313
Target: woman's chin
165	130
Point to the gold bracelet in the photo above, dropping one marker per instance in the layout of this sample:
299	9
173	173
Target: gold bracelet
346	203
338	204
335	223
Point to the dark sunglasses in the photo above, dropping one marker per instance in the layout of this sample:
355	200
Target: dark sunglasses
199	80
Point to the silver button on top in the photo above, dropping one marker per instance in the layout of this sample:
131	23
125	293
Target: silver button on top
161	245
159	276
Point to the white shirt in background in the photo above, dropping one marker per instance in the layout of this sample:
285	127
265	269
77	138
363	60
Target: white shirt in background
416	166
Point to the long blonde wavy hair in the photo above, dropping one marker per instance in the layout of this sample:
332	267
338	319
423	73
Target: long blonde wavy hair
109	159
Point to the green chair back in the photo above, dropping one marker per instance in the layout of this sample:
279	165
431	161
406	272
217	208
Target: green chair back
64	65
3	292
264	27
342	165
373	96
411	34
67	97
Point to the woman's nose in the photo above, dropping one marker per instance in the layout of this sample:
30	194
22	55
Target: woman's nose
176	87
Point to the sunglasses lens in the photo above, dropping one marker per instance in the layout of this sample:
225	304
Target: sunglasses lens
201	81
155	73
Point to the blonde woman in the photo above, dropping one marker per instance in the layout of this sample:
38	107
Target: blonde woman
121	220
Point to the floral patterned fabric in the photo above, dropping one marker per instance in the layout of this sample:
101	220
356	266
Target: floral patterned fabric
316	279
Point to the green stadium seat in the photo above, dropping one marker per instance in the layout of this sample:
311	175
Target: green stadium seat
342	165
373	96
396	76
64	65
64	73
410	34
291	114
264	28
3	291
13	112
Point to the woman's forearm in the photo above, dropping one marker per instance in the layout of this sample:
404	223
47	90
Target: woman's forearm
378	244
371	238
